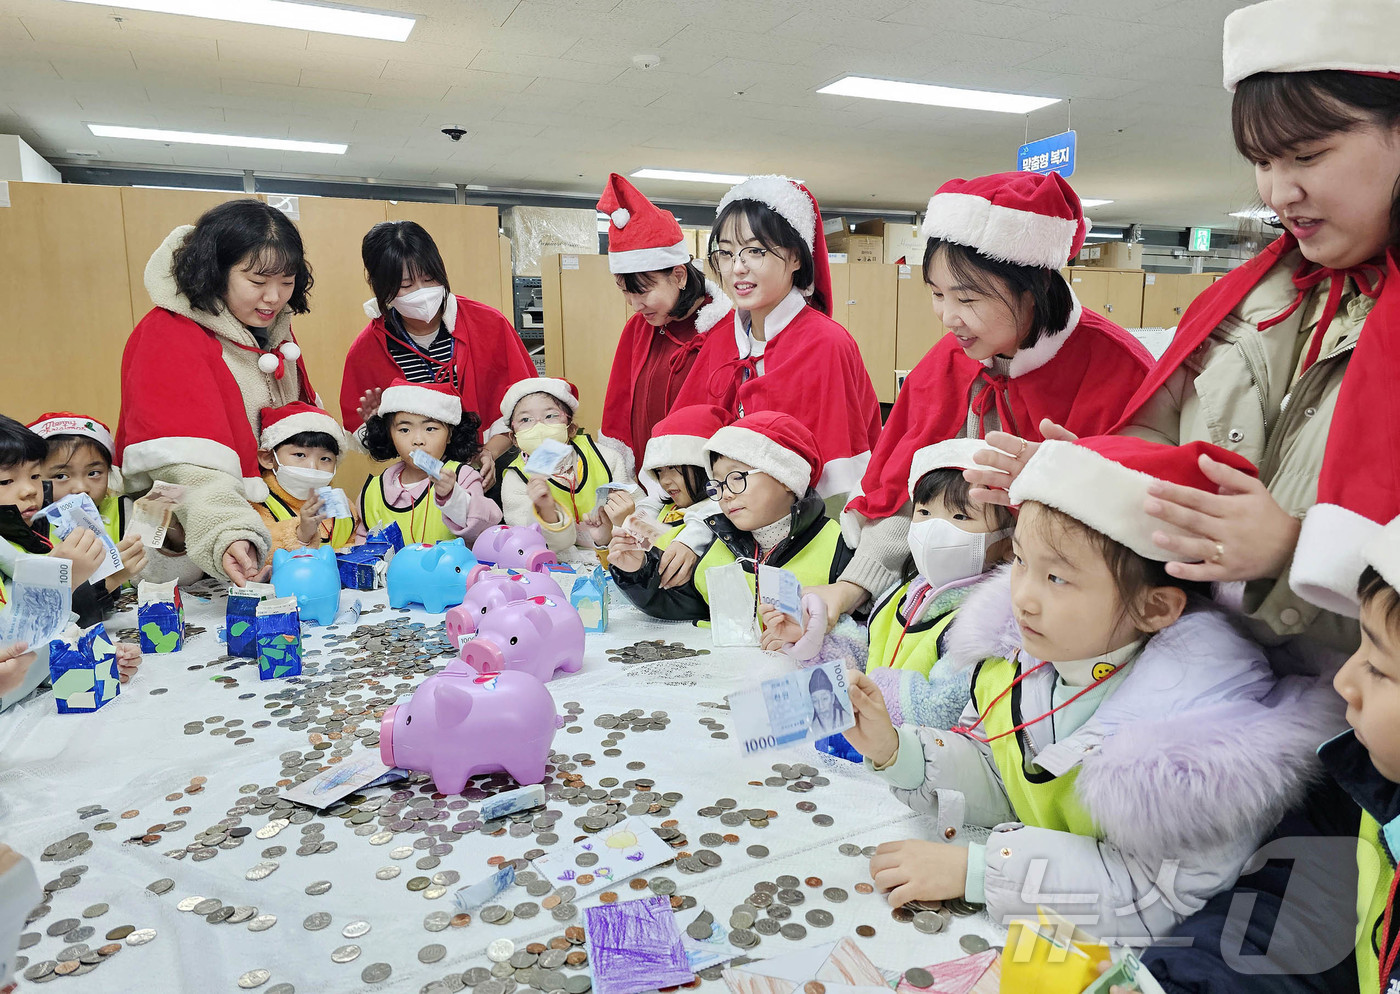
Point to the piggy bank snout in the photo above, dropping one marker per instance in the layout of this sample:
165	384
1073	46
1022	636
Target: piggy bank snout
386	735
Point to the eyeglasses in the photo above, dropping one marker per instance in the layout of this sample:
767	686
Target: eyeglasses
751	256
736	483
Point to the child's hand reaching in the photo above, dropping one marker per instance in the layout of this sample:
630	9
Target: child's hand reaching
597	527
779	630
618	507
677	565
444	485
542	499
128	660
873	734
133	552
15	661
625	554
84	550
915	870
309	520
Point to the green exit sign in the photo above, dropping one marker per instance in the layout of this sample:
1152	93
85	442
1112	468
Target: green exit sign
1200	240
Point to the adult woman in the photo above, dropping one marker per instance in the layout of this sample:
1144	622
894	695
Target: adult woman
197	369
768	248
1019	346
1272	361
672	304
421	331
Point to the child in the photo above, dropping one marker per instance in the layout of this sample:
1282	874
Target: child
539	408
426	417
1169	749
298	449
675	473
763	469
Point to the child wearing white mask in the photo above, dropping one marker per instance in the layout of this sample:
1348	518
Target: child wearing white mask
299	449
542	408
953	541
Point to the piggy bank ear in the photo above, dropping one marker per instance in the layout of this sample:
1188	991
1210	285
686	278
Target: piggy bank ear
456	543
431	557
535	527
325	553
452	703
280	556
477	572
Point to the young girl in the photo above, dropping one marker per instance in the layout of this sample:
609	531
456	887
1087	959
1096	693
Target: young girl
427	418
299	449
1019	348
764	467
673	307
1123	738
540	408
781	351
675	473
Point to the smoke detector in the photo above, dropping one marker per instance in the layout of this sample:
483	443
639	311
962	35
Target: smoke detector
646	61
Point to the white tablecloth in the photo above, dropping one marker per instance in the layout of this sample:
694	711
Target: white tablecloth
134	752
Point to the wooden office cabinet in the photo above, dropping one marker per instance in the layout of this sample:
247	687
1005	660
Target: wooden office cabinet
1115	294
865	299
1167	295
917	328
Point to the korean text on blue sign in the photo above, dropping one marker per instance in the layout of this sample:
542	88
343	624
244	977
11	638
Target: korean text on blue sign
1055	154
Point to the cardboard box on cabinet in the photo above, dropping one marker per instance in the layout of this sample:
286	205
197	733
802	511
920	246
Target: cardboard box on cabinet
900	243
1112	255
857	248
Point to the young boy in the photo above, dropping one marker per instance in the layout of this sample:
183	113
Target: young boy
541	408
764	468
298	451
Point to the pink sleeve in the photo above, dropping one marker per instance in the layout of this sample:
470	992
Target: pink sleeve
468	511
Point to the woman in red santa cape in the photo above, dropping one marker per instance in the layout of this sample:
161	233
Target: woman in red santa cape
422	332
201	365
780	350
1291	360
673	307
1019	348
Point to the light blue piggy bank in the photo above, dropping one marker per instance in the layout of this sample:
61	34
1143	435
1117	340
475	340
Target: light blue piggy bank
313	578
432	575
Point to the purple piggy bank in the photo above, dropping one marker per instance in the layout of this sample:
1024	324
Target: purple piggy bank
520	546
460	723
490	592
540	635
432	575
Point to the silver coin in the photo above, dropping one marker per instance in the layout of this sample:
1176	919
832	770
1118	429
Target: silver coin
221	915
739	919
186	904
254	978
928	922
565	912
767	926
522	960
793	931
437	921
206	906
280	989
835	894
272	828
262	923
918	977
475	976
974	944
820	917
553	959
432	953
387	872
318	888
434	892
376	973
162	886
242	914
356	929
140	937
500	950
526	909
743	938
316	921
491	986
345	954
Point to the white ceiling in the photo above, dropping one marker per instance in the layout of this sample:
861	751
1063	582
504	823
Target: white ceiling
552	100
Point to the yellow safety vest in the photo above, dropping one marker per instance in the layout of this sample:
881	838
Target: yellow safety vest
590	472
811	564
420	522
113	516
337	531
919	648
1373	878
1039	799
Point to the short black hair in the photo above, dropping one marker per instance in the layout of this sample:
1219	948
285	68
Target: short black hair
693	478
390	246
311	440
1051	299
771	230
1374	585
949	484
227	235
19	444
462	444
691	294
75	442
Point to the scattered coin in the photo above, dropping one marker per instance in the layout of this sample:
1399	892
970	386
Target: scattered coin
345	954
254	978
140	937
355	929
376	973
865	931
918	977
500	950
316	921
928	922
432	953
974	944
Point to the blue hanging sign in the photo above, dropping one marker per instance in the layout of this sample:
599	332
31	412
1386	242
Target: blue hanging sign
1048	155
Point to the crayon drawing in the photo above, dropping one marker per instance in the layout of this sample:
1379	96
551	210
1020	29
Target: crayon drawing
635	946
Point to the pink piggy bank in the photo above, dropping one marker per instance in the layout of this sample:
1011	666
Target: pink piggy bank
460	723
540	635
520	546
490	592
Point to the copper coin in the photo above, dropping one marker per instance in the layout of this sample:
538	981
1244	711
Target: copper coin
66	967
865	931
551	902
814	987
574	933
677	901
495	861
585	879
608	897
194	789
174	797
731	839
559	942
460	921
130	814
199	781
536	948
182	810
109	949
814	882
638	884
576	958
864	888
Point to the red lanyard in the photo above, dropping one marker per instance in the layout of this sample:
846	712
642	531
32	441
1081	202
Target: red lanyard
1389	948
968	729
447	371
1369	278
909	620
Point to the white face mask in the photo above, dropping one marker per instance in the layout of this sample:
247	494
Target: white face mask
300	481
943	552
421	304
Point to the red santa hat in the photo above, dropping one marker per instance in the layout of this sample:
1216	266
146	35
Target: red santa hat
952	453
281	423
794	203
1382	554
1103	482
776	443
46	426
679	439
557	387
430	400
1361	36
1022	218
642	237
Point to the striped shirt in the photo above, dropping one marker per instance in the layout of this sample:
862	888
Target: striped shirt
415	368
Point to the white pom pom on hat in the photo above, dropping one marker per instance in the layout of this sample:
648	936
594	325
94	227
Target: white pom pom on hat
620	217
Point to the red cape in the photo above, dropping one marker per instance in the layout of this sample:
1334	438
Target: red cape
632	350
1091	371
488	357
814	371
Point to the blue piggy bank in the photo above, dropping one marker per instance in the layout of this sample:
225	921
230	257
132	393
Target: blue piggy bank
312	576
432	575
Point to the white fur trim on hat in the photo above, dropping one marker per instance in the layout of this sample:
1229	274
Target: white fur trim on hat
1334	546
294	424
1103	494
552	385
423	401
648	260
951	453
1024	238
1307	35
713	312
782	195
675	450
762	453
